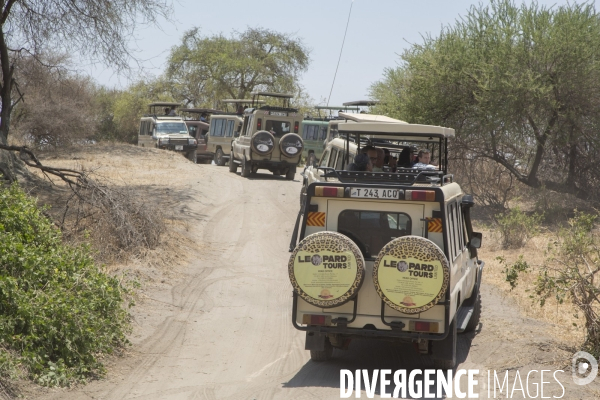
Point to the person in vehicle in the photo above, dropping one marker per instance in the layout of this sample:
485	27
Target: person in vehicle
378	165
203	117
371	152
392	164
405	158
423	159
362	162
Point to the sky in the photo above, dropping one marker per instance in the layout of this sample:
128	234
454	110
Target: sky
378	32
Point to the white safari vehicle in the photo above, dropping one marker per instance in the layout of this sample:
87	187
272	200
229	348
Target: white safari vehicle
164	129
269	138
389	255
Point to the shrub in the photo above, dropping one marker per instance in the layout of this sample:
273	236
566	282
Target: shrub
58	312
516	227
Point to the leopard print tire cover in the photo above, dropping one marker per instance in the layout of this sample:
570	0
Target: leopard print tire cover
411	274
326	269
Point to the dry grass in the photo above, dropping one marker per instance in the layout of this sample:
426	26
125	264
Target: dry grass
560	317
145	232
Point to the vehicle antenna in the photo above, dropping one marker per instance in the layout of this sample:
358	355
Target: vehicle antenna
341	49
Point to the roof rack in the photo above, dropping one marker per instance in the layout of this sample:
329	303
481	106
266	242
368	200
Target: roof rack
407	176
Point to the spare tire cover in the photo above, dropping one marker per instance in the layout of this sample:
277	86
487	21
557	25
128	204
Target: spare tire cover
291	145
326	269
263	143
411	274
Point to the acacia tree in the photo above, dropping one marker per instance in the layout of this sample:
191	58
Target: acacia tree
521	86
97	30
204	70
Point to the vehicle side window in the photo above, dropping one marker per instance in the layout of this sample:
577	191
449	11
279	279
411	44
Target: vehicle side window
331	162
192	130
450	231
250	126
323	131
339	165
229	130
371	230
305	131
324	157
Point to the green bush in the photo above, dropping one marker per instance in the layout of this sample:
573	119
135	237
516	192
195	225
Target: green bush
59	314
516	227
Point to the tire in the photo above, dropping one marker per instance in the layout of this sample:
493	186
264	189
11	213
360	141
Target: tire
291	174
474	321
219	160
192	156
232	165
245	168
322	355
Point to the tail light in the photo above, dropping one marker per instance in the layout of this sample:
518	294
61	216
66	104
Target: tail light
259	124
420	195
329	191
296	124
423	326
311	319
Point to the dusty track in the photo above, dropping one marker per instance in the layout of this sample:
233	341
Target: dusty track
223	329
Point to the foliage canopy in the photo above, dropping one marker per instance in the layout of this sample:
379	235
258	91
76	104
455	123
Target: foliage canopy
205	70
521	86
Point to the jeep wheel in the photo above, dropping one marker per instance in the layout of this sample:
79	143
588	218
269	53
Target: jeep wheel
232	164
192	156
474	321
245	168
291	174
322	355
219	158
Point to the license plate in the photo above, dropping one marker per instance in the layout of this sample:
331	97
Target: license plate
377	193
178	147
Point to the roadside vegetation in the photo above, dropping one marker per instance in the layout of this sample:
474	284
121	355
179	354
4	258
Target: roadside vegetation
60	314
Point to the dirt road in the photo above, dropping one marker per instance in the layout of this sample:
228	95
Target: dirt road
222	329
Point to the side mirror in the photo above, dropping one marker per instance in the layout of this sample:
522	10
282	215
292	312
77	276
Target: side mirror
476	239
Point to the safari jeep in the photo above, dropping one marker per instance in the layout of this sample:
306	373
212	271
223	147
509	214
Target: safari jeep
222	127
268	139
198	126
387	255
164	129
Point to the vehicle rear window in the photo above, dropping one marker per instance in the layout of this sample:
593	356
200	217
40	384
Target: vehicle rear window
371	230
279	128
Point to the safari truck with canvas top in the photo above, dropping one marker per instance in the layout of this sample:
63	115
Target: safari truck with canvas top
385	255
223	125
269	138
314	131
164	129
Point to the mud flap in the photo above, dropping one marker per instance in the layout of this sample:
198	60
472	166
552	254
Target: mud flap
446	349
315	341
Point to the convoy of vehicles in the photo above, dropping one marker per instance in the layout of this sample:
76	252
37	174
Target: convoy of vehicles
269	138
389	255
164	129
384	255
